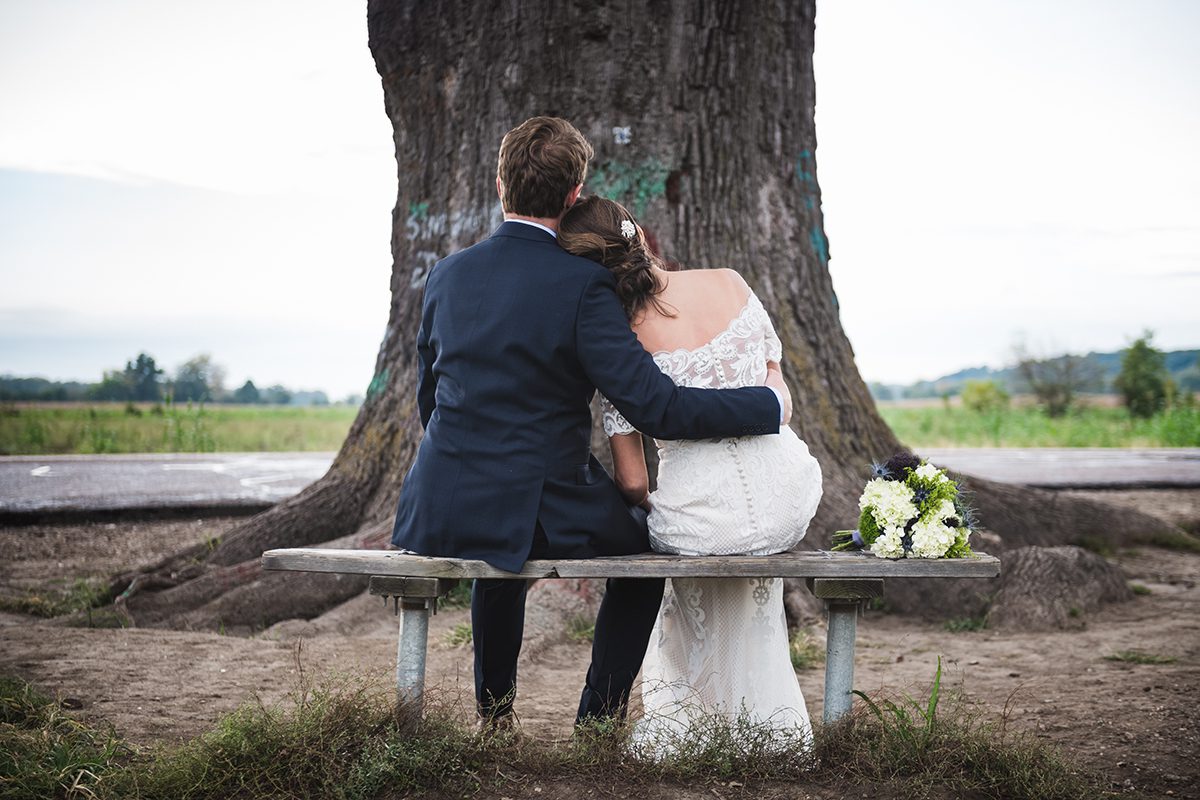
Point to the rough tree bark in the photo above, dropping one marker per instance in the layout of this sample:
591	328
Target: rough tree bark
1054	587
702	118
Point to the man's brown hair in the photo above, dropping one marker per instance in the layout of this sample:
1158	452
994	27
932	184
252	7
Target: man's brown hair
541	161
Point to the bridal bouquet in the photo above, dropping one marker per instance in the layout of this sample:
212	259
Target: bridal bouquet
910	509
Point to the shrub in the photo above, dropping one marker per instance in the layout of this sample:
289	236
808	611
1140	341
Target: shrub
1143	380
984	396
1055	381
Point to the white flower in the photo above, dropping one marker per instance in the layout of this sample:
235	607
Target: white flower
929	472
891	502
627	229
931	539
888	544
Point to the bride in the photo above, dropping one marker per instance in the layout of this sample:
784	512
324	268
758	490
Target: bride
720	645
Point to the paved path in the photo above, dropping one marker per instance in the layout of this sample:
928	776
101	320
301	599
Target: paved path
55	484
39	484
1076	467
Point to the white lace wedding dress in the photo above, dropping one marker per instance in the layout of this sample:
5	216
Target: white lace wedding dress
720	645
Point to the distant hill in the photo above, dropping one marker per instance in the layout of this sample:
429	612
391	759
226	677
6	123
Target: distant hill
1181	364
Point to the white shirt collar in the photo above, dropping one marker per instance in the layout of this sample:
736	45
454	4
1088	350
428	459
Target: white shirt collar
534	224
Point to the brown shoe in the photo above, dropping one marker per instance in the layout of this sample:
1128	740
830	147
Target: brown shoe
503	725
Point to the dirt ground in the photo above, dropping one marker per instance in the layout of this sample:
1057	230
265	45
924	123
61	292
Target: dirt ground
1136	723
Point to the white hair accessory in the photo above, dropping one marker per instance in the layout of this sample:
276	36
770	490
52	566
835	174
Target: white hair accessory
627	229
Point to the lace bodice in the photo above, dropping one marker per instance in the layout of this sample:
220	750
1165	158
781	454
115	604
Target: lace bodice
735	357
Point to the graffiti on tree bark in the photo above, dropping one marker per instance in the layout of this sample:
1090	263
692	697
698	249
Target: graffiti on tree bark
434	235
634	185
806	170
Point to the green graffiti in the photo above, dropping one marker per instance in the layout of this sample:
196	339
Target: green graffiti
418	210
633	185
378	384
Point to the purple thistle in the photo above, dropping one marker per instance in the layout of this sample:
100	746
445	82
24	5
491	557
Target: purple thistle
900	462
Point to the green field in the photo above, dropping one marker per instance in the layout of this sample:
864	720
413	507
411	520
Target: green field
67	428
939	425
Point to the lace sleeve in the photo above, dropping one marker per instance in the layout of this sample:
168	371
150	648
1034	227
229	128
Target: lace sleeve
771	341
614	423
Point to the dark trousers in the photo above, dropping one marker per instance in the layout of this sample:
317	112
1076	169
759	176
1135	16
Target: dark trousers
623	626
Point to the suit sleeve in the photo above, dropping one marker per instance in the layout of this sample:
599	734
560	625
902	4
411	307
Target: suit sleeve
426	381
618	365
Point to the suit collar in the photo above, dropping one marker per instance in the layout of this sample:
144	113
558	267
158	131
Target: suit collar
519	230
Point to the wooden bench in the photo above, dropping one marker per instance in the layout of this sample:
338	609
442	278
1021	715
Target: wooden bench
843	580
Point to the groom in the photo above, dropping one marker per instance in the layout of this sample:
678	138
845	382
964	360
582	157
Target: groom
516	336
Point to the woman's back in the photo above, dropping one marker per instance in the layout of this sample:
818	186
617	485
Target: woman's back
753	495
703	303
708	330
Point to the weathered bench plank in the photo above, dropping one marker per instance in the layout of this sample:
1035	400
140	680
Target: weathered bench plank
806	564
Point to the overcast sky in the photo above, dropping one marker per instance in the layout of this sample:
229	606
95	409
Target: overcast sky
218	177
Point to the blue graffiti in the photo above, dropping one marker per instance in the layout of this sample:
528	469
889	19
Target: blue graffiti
820	244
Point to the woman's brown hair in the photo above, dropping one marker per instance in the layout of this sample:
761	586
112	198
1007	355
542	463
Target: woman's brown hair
592	228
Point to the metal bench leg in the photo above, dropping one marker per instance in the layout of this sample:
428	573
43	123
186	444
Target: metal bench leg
410	654
415	599
839	658
842	597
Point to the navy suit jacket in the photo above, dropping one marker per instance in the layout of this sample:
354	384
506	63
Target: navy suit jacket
516	336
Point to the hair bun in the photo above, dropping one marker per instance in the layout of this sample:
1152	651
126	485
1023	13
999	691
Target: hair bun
603	231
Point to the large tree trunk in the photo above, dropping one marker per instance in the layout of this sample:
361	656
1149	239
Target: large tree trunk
720	167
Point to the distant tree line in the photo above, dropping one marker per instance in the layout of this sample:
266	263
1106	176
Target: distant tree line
1093	373
1146	379
198	380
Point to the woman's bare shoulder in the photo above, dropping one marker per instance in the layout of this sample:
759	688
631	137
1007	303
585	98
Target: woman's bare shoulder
719	276
735	280
730	284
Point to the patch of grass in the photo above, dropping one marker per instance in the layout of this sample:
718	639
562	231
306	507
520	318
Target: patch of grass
82	594
1139	589
581	628
912	723
1138	657
806	649
44	753
933	752
1175	540
964	624
1022	425
346	739
69	428
1096	544
458	597
342	740
459	635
